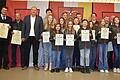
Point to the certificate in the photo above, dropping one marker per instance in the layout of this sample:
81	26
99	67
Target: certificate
85	35
76	27
104	33
16	37
69	40
46	36
93	33
4	30
59	39
118	38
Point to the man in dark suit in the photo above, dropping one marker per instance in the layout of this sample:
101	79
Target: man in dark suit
32	29
4	42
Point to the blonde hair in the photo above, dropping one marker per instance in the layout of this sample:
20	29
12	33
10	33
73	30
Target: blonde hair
48	26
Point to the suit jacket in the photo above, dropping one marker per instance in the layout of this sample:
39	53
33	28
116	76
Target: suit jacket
17	26
38	27
8	21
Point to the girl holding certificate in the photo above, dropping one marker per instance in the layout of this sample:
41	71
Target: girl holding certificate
69	49
102	39
93	47
62	55
116	44
84	36
76	53
56	50
48	26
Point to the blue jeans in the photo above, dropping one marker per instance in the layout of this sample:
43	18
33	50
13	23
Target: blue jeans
62	58
68	56
93	56
84	57
47	52
55	59
103	62
116	49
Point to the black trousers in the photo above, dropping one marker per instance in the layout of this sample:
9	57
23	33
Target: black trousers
3	52
35	44
22	52
110	59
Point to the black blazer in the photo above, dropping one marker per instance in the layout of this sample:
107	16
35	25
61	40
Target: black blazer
8	21
38	27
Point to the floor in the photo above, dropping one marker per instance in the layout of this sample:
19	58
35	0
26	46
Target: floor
31	74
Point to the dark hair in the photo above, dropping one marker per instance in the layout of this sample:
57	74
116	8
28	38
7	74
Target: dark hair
4	7
74	19
114	19
48	10
85	20
56	26
94	14
63	20
64	12
78	13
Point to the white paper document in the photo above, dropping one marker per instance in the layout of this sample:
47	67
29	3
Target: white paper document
59	39
69	40
85	35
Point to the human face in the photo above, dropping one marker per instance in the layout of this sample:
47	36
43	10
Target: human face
33	11
49	13
79	17
17	16
85	23
70	24
57	27
76	21
61	21
94	17
4	11
116	20
50	18
103	22
107	19
65	16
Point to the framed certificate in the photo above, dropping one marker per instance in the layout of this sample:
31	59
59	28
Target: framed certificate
69	40
4	30
104	33
59	39
118	38
46	36
85	35
76	27
93	33
16	37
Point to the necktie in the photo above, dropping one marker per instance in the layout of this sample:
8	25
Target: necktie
3	17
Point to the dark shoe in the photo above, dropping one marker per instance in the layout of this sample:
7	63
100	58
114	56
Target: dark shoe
57	70
36	68
6	67
53	70
87	70
24	68
83	70
13	66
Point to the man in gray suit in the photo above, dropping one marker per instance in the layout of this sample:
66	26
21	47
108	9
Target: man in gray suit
32	29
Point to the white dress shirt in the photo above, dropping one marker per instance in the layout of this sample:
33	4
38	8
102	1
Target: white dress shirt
32	19
3	17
